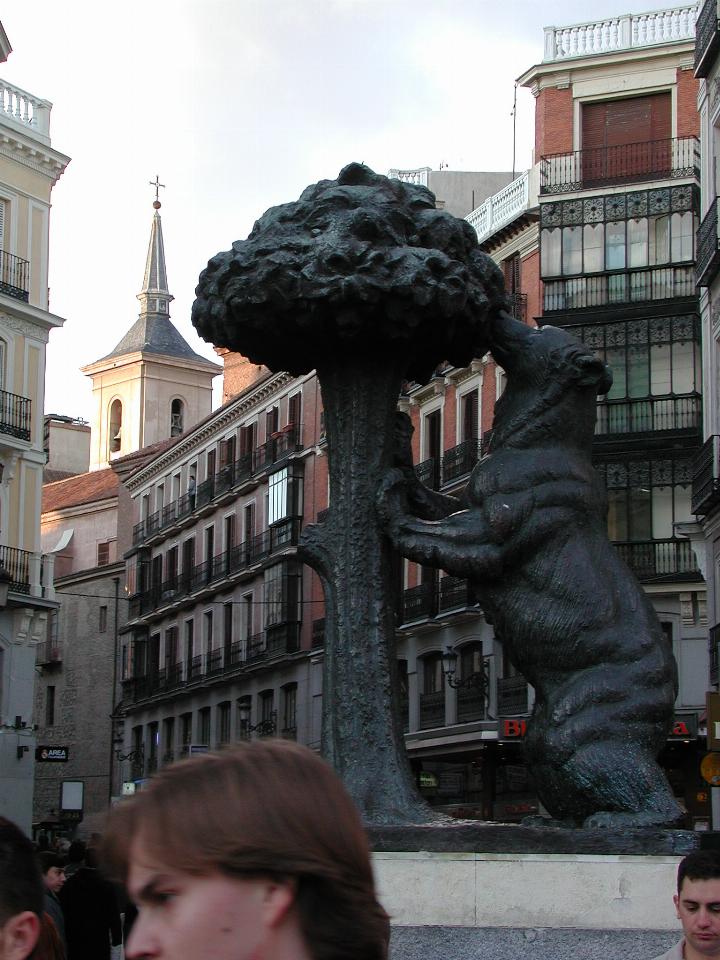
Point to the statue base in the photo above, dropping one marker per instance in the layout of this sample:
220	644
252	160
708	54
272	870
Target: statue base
500	875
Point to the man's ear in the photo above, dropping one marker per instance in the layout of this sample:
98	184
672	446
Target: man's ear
279	897
676	901
19	935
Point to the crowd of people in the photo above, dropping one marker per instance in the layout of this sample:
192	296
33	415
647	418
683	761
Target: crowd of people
255	853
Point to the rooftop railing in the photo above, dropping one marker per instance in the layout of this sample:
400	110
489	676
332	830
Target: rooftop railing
502	208
627	32
24	108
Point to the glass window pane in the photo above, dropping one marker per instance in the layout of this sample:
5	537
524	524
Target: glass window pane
660	379
615	246
572	250
638	372
659	240
640	513
617	515
615	359
278	496
683	367
637	240
682	236
550	252
594	244
662	513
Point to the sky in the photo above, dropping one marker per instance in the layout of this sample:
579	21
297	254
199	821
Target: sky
238	105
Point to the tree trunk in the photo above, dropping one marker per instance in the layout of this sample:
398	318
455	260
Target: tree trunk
362	735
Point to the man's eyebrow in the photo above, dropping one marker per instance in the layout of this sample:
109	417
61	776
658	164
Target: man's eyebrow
149	889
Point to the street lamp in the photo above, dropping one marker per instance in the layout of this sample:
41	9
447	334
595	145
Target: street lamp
478	680
264	728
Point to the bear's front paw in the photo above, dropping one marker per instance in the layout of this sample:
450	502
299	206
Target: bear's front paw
391	501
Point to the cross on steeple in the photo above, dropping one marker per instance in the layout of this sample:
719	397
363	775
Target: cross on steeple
156	183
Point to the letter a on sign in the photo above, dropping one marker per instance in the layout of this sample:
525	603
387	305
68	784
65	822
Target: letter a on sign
713	721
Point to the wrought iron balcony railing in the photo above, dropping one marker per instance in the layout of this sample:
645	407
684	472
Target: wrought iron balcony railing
659	559
706	478
202	575
17	564
682	414
714	655
627	163
707	38
229	476
15	415
14	276
708	248
427	600
602	290
276	642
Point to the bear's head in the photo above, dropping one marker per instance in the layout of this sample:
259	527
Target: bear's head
548	372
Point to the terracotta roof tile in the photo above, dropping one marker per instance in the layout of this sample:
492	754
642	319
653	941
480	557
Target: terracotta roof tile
85	488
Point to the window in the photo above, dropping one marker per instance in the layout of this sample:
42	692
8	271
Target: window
248	438
210	464
50	707
433	678
244	707
272	422
188	559
209	543
204	726
289	710
249	514
189	647
103	553
171	568
223	722
247	610
277	496
227	630
294	412
115	427
177	418
102	625
469	405
3	360
208	630
171	649
168	739
281	594
186	730
267	713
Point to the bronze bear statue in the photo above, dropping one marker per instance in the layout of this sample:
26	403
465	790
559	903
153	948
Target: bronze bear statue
531	537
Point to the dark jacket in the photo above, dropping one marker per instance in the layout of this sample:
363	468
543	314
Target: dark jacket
52	906
92	918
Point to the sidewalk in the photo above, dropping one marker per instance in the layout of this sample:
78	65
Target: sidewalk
497	943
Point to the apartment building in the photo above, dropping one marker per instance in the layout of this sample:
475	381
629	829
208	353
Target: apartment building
29	168
598	237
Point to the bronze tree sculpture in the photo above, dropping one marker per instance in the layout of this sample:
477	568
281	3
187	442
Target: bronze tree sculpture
365	281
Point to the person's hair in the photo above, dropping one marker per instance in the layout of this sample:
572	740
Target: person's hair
77	851
47	859
21	885
49	945
270	809
700	865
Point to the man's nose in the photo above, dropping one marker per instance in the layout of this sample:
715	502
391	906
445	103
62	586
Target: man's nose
704	917
140	941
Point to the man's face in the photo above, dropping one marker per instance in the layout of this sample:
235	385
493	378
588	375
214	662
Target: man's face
54	878
183	916
698	908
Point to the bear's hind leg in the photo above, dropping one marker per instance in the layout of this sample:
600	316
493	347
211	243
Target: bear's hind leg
624	785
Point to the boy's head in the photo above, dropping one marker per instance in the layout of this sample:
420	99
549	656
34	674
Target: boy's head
52	868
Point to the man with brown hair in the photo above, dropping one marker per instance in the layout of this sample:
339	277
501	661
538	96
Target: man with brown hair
273	861
697	903
21	894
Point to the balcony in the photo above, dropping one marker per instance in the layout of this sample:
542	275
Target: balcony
627	32
28	112
604	290
458	461
706	478
678	414
714	655
504	207
220	567
436	598
512	696
659	559
14	276
17	563
247	467
611	166
432	709
15	415
708	248
707	38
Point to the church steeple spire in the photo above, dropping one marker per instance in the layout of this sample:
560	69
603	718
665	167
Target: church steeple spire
155	297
